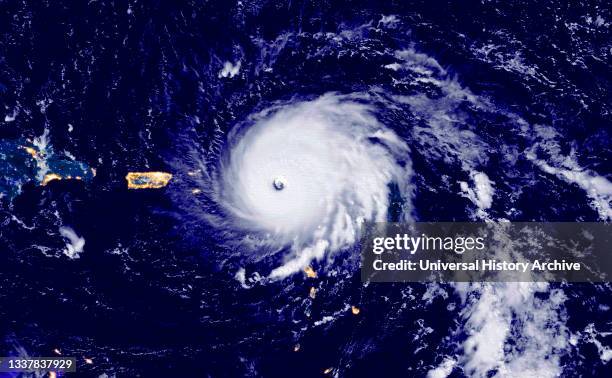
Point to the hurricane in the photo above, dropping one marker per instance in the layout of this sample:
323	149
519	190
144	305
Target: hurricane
185	186
307	175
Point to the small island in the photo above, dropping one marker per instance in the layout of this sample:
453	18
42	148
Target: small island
147	180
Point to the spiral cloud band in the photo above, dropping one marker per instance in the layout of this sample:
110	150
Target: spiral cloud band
305	176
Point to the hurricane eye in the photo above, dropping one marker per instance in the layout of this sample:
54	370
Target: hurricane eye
279	183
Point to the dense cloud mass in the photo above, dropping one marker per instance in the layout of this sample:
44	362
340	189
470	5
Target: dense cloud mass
336	163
